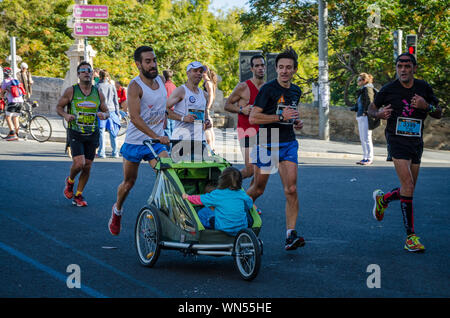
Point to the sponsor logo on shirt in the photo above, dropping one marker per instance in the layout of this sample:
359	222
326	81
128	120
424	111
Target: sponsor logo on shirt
87	104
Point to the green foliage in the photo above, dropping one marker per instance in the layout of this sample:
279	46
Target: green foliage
181	31
354	47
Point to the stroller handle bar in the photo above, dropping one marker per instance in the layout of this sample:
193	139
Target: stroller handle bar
149	143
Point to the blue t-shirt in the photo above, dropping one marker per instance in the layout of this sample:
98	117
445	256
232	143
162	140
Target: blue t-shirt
230	209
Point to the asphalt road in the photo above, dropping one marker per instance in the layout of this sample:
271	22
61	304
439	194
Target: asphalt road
42	235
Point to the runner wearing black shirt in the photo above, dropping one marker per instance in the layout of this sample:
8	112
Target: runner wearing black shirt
404	103
275	111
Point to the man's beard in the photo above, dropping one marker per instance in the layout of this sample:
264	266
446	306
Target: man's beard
86	81
150	74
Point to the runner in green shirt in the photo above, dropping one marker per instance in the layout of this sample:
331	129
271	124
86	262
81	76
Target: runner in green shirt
85	106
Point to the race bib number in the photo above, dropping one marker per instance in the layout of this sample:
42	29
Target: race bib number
200	115
280	108
410	127
86	119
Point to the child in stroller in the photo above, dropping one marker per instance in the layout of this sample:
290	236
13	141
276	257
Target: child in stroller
230	203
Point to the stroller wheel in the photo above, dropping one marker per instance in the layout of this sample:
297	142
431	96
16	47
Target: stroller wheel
247	254
148	236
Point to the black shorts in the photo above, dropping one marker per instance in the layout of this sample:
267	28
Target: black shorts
408	148
83	144
14	107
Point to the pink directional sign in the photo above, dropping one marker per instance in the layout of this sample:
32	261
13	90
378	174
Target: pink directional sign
91	29
90	11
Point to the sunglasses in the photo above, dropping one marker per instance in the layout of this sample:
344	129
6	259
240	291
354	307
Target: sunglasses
81	70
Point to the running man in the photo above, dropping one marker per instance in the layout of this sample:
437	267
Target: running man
275	111
404	103
241	102
187	106
85	105
147	98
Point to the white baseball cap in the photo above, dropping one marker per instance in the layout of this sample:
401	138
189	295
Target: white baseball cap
24	65
195	64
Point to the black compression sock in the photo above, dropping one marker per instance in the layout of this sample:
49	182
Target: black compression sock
406	204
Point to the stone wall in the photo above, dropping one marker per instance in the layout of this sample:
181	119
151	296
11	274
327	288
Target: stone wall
343	125
46	91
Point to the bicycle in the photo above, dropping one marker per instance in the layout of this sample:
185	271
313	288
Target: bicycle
124	121
38	126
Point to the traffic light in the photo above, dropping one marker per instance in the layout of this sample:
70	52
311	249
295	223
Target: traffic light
398	34
411	44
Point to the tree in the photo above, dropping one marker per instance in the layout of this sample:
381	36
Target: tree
355	47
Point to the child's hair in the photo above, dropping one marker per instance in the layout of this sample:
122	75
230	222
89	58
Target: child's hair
210	186
231	178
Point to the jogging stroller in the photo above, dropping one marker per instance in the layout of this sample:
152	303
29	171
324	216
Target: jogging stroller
170	222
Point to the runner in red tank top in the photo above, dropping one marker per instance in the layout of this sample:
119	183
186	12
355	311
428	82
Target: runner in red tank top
241	102
243	124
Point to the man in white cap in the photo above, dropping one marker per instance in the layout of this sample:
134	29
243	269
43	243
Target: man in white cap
189	106
24	76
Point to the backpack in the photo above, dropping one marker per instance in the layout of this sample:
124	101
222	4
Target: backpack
17	88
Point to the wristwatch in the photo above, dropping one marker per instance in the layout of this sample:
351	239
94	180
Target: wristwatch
280	117
431	108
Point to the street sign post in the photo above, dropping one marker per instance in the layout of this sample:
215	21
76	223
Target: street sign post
91	29
90	11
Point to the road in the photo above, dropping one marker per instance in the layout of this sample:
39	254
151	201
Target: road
42	235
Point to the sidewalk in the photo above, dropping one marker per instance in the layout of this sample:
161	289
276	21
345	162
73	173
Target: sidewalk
227	145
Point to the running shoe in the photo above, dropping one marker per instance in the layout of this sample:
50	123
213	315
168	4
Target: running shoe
78	200
114	222
294	241
68	189
12	136
413	244
378	208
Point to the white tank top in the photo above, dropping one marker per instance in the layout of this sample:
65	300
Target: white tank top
194	103
153	111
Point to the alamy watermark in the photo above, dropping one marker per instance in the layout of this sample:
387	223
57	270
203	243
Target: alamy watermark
74	279
374	279
374	20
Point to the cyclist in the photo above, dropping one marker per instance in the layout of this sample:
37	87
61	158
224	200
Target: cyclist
85	105
14	106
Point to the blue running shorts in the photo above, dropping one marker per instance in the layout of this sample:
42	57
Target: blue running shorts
266	156
136	153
